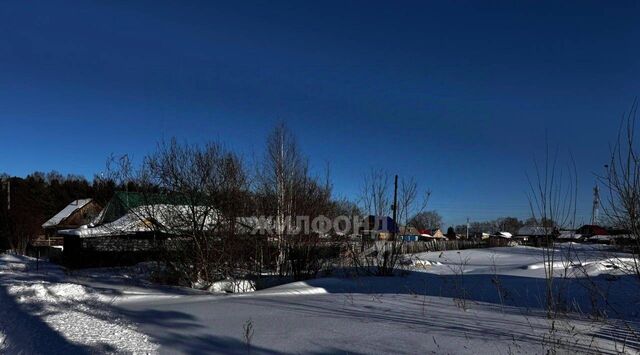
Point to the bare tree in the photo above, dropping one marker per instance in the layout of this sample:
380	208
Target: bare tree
287	191
622	180
375	195
426	220
383	256
191	197
282	171
552	197
409	201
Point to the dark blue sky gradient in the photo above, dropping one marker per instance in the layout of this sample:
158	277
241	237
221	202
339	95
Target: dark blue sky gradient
458	94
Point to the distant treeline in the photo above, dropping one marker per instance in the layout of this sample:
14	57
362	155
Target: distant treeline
39	196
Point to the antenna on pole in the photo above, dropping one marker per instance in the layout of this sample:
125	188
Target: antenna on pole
467	228
595	211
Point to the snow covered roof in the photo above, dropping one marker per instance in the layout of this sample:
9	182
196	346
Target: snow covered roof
432	236
535	231
568	234
123	202
66	212
503	235
148	218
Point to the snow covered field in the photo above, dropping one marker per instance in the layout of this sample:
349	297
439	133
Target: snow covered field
480	301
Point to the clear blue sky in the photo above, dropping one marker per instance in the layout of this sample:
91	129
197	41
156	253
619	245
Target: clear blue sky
457	94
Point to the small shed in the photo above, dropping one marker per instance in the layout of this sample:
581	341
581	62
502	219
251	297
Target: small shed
502	239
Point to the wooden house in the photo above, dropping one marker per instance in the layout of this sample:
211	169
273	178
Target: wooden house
132	228
378	228
76	214
589	230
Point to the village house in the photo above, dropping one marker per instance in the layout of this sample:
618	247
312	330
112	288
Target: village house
536	235
74	215
589	230
378	228
131	228
503	239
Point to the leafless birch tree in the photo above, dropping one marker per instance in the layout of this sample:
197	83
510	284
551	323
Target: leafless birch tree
552	197
287	192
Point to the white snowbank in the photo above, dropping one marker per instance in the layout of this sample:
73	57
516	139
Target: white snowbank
294	289
232	286
79	313
591	268
10	262
46	292
419	312
419	263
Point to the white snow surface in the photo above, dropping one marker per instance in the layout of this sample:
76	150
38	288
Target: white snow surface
477	301
42	311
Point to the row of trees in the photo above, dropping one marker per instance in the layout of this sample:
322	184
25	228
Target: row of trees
221	201
219	197
212	200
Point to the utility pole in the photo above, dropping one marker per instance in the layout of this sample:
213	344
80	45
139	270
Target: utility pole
395	206
595	211
467	228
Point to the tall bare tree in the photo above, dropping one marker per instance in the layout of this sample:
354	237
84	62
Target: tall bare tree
622	180
410	201
383	256
552	197
426	220
288	192
375	193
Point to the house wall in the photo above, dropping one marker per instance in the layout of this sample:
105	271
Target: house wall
110	251
80	217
